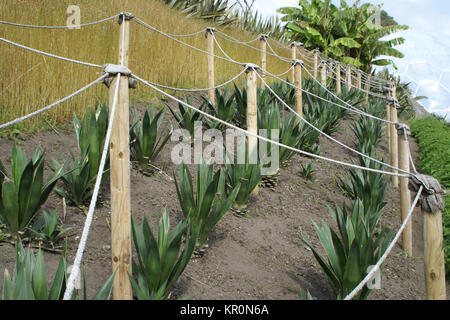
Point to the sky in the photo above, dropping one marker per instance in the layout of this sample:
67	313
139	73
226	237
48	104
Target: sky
426	64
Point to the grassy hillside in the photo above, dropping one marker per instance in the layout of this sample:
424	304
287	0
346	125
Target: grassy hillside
30	81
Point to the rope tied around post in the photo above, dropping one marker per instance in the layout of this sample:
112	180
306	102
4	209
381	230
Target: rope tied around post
210	30
125	15
113	69
403	130
431	199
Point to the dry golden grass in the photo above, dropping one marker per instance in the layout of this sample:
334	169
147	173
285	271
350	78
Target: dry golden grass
30	81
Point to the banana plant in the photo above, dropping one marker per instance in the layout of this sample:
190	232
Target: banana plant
29	280
23	192
224	109
47	230
208	204
162	259
148	137
242	173
348	257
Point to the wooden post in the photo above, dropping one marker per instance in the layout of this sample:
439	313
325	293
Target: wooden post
210	60
316	63
349	77
263	43
120	176
367	88
252	115
359	77
323	73
434	255
293	58
388	118
394	139
405	194
338	78
298	65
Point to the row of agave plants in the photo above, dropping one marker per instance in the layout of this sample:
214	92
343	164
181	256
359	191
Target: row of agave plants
24	192
360	240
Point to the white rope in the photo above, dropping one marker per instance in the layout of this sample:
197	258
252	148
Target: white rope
220	34
331	138
87	224
352	109
372	272
248	133
142	23
57	27
347	104
201	89
231	39
35	113
223	52
50	54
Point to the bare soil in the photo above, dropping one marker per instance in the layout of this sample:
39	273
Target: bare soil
257	256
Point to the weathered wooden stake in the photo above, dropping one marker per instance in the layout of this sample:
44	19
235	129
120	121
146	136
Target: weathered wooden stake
394	140
263	43
323	73
293	58
388	118
252	115
210	60
349	77
367	88
405	194
120	176
316	63
434	255
338	78
359	82
298	65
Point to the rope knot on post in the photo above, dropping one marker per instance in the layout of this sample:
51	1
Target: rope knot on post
264	37
251	66
125	15
210	30
431	199
293	44
402	129
113	69
298	62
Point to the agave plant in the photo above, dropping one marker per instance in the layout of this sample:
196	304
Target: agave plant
268	126
205	207
148	137
91	136
186	117
368	186
323	116
223	109
245	174
161	260
80	173
367	131
23	192
308	171
349	257
47	230
29	280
